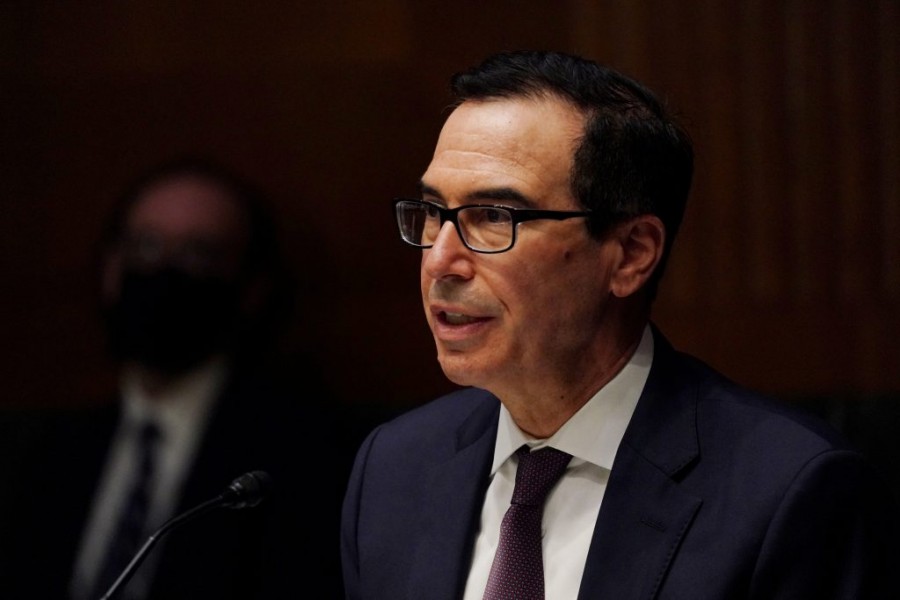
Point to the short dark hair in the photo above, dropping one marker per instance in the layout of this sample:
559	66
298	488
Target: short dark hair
634	157
263	256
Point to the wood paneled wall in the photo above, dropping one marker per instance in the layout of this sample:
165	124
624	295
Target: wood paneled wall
786	274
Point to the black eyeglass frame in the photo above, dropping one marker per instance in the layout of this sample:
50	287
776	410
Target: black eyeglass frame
518	215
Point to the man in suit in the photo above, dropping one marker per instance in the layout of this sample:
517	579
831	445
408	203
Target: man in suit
193	293
546	217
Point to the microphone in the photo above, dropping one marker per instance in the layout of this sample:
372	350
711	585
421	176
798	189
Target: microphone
246	491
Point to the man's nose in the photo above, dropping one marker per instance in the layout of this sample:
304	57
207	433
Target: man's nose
449	256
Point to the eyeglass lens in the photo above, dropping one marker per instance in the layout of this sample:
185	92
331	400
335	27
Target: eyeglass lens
481	228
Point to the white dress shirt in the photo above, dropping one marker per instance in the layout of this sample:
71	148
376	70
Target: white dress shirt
181	412
592	437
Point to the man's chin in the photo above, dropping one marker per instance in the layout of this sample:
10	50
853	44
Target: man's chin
461	370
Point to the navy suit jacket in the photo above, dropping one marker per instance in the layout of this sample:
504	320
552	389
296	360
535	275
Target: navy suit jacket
715	493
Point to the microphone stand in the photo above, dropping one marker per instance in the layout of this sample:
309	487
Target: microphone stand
198	510
246	491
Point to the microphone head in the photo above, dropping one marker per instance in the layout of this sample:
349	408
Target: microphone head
248	490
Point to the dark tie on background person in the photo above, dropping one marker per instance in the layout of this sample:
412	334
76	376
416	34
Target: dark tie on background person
517	572
129	534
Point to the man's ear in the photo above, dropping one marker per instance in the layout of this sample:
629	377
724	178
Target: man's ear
641	244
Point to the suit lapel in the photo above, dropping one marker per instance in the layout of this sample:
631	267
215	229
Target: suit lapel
451	509
644	514
642	521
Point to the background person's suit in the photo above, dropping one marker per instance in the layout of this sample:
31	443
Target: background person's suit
239	554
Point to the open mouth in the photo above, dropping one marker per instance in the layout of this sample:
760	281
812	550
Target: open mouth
458	318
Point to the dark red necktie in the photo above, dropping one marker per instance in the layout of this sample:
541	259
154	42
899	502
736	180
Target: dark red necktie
517	572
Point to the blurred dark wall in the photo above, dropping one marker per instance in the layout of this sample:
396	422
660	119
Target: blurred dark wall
786	275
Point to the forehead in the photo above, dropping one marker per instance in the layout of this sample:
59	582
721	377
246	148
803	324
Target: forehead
525	144
187	206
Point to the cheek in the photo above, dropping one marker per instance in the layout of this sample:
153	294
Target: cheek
566	292
531	293
424	281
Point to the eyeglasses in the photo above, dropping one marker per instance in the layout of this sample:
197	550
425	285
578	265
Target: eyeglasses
482	228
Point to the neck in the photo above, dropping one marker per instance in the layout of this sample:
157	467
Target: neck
541	410
153	382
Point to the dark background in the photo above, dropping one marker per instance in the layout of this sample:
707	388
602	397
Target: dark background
786	275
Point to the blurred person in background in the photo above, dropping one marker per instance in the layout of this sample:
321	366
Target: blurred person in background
193	293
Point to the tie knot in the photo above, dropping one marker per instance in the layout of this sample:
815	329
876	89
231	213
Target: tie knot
147	435
537	473
148	432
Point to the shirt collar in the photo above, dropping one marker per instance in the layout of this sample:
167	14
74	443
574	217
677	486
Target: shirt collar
592	434
181	405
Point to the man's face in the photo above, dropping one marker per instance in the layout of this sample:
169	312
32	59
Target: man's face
533	316
172	285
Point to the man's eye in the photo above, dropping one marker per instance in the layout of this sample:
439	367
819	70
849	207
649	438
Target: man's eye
494	215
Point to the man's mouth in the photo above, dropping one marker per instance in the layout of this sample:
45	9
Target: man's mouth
457	318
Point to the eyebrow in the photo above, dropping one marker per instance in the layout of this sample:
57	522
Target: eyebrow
499	194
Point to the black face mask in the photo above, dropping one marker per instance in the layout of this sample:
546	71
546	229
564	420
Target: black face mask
171	320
